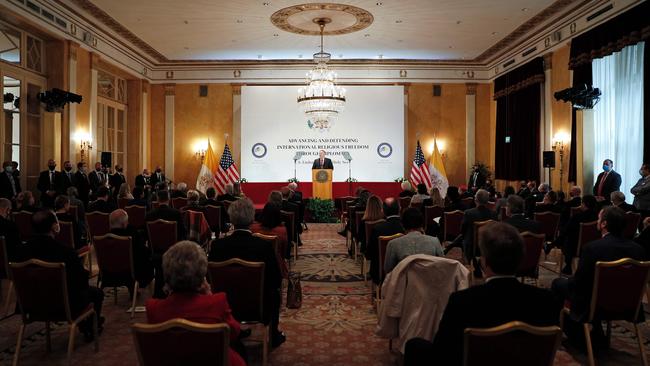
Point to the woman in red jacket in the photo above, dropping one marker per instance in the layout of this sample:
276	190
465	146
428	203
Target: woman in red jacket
185	266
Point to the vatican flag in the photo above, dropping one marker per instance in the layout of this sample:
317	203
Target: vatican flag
437	171
206	177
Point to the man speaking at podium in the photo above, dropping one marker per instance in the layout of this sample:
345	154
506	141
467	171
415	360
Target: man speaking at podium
322	162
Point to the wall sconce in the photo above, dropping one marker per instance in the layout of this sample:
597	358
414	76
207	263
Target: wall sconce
84	141
200	149
559	142
441	148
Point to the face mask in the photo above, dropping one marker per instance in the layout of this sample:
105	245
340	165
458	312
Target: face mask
84	169
158	170
52	167
98	169
68	168
120	170
10	169
606	168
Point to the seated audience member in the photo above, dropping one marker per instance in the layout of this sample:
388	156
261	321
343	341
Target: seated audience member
185	267
125	192
210	197
542	190
73	195
578	289
435	198
392	226
414	242
271	224
453	200
289	206
143	267
643	239
168	213
374	211
62	211
523	191
480	213
103	202
575	197
641	191
465	192
138	198
242	244
9	230
359	205
275	197
407	189
43	246
568	237
296	195
180	191
193	202
501	202
236	190
500	300
25	202
490	188
228	195
421	194
549	203
9	185
618	199
516	217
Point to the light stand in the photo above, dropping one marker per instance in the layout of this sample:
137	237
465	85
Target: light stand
346	156
296	157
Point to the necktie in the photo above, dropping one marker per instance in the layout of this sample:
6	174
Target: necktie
602	183
322	163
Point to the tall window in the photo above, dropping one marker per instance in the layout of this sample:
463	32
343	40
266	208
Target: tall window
11	109
111	116
618	117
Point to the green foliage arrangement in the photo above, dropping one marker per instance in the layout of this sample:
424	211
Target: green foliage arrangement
321	210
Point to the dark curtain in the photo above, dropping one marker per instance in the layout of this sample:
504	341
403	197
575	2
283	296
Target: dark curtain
581	75
518	96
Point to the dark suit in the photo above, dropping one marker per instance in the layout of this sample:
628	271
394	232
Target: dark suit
96	180
612	184
575	202
644	241
83	186
406	194
9	230
6	190
568	238
471	216
626	207
142	264
523	192
327	164
476	180
522	223
165	212
226	197
67	180
155	179
45	184
242	244
102	206
116	181
392	226
141	181
498	301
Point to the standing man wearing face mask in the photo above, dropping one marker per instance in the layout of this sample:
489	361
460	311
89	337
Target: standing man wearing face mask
641	191
608	181
68	175
117	179
9	184
82	182
97	177
157	177
50	183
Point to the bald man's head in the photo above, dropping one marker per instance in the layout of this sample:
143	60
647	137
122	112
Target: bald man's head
391	207
119	219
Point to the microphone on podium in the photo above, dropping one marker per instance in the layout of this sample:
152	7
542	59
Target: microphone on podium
299	154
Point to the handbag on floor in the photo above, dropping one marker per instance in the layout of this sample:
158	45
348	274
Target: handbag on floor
294	291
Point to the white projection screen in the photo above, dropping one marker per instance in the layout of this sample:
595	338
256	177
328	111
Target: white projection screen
273	129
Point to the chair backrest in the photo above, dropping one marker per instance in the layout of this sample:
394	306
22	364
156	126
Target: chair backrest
98	223
179	202
289	219
514	343
66	234
453	224
114	255
575	210
213	215
74	211
122	202
632	220
550	222
430	213
492	206
42	290
271	239
4	259
162	235
182	342
587	233
368	225
137	215
358	215
383	244
468	201
610	300
155	205
351	209
243	283
533	244
404	203
23	220
504	213
478	226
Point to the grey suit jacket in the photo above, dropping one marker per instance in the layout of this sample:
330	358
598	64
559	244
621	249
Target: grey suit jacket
412	243
641	192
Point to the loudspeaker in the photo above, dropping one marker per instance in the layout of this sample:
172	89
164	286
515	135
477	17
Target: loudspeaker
203	90
437	90
107	159
549	159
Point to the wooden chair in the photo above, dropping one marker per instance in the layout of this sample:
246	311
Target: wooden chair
383	244
368	226
533	245
179	202
358	226
66	236
275	244
4	274
155	205
504	213
181	342
42	292
492	206
431	213
23	220
550	222
115	261
349	239
137	216
453	224
511	344
610	301
290	223
213	215
575	210
162	235
122	202
468	202
243	283
632	220
74	211
478	226
587	233
98	223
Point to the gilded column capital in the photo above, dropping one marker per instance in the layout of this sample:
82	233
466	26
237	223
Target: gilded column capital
548	61
470	88
170	89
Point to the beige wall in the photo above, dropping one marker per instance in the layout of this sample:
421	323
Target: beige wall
561	112
157	128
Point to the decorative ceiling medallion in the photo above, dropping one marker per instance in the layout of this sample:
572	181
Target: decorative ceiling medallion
345	18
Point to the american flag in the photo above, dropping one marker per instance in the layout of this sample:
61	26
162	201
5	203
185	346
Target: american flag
226	171
419	170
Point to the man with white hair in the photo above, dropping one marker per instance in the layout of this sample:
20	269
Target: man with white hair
180	191
479	213
229	195
576	197
618	200
143	267
296	195
407	189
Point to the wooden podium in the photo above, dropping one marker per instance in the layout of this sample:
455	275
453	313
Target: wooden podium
321	183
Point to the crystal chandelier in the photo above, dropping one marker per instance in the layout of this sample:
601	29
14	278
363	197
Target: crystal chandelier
321	100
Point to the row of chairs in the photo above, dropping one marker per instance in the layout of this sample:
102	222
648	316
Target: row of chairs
177	203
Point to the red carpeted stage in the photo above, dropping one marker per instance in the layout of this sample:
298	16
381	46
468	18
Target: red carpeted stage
258	192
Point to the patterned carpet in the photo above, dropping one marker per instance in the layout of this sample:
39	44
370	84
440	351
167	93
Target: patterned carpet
334	326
